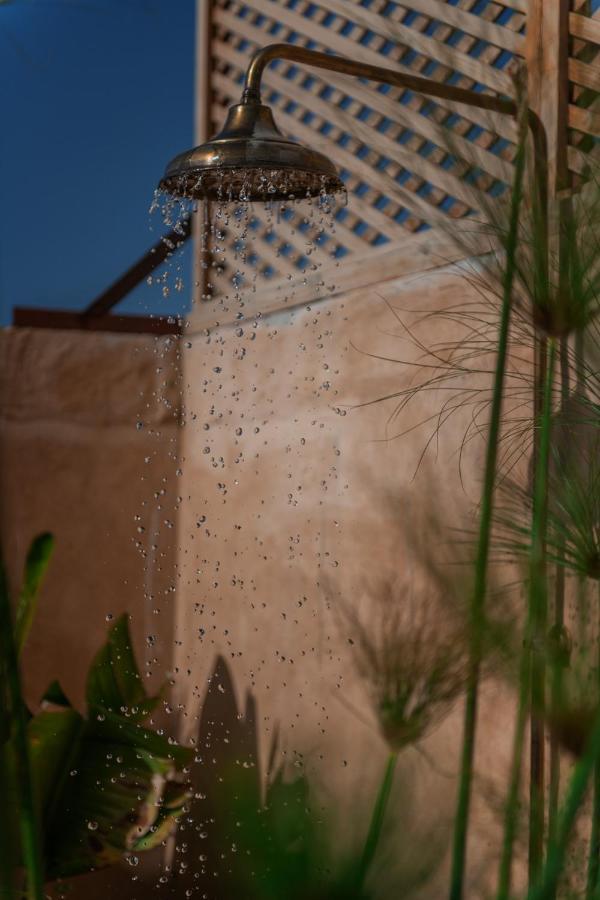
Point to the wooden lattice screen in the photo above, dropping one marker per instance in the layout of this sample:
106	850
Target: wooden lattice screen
583	117
409	164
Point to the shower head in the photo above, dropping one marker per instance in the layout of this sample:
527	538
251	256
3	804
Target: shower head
250	159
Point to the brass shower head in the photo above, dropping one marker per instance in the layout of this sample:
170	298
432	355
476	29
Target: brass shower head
250	159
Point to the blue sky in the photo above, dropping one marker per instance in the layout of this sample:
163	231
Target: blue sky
97	96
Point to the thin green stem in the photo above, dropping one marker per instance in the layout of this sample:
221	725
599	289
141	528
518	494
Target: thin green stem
594	851
537	606
580	360
593	881
558	629
531	630
575	796
29	826
377	819
556	696
7	850
476	624
511	814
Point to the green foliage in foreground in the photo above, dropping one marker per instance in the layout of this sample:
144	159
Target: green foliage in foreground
102	784
271	838
245	837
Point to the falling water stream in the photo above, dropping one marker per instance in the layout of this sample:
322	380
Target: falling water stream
233	229
287	239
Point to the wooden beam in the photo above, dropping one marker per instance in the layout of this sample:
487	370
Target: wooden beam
521	6
472	24
583	7
585	74
547	53
579	161
585	28
584	120
138	272
32	317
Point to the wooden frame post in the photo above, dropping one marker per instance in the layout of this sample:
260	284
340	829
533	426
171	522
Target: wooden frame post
547	55
202	132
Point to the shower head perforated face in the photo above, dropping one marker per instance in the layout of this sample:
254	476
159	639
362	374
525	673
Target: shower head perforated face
250	159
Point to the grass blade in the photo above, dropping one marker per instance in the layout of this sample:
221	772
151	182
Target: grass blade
29	825
36	564
461	823
377	819
537	612
575	796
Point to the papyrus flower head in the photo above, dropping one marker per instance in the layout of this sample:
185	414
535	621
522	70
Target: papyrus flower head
411	654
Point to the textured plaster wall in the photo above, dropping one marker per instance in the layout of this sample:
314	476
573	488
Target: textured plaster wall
285	489
89	426
296	494
88	430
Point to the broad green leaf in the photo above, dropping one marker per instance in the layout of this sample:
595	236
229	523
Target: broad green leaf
15	744
54	735
35	569
112	801
107	727
99	808
8	827
101	786
5	718
52	738
173	804
114	682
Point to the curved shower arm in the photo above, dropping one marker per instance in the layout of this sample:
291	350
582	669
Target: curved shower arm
427	86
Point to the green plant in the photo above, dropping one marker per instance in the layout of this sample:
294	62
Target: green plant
116	789
87	789
16	778
537	316
261	837
485	532
261	832
413	661
411	655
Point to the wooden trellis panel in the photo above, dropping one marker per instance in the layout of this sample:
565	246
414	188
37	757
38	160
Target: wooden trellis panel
564	79
584	76
409	163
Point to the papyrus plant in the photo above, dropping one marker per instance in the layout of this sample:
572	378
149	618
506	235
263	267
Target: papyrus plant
254	831
409	647
537	273
411	655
